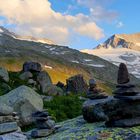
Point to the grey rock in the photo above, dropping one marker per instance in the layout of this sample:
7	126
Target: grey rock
5	109
31	82
53	90
77	84
4	119
44	80
123	75
124	122
8	127
113	110
13	136
4	74
25	101
47	98
32	67
26	75
41	133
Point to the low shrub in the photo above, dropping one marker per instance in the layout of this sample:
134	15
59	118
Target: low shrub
64	107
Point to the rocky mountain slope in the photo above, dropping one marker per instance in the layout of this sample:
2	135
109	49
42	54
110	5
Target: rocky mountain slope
121	48
130	41
28	38
60	61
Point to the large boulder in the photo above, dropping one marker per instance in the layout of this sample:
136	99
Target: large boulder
4	74
114	111
77	84
44	80
32	67
25	101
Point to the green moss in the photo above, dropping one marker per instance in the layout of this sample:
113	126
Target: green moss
64	107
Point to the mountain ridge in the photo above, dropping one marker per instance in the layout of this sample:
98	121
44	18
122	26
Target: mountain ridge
29	38
60	61
131	41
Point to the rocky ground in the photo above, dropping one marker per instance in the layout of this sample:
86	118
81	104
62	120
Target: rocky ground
79	129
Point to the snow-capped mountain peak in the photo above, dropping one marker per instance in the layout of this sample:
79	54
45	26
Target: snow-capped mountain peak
131	41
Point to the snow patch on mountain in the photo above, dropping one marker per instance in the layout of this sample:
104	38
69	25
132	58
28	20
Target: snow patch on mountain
120	55
1	31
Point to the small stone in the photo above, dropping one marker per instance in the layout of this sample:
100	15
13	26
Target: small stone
8	127
123	75
26	75
92	83
4	119
40	114
41	133
49	124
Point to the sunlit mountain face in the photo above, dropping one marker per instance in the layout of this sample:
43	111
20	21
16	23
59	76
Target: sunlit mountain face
121	48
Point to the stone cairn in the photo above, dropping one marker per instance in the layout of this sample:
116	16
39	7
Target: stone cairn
127	113
8	120
124	86
94	92
45	125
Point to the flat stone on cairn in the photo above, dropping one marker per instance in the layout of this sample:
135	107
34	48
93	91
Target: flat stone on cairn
94	92
8	119
44	124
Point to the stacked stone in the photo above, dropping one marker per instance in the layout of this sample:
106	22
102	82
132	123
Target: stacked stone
8	120
44	124
125	88
94	92
127	113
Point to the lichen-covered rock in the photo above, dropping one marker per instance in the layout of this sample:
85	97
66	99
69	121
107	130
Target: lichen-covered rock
4	74
79	129
25	101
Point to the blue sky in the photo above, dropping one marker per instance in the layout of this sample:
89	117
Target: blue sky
79	24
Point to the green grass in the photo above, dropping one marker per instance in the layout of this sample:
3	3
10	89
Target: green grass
64	107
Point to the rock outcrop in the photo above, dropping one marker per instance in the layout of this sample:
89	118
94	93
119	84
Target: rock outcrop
77	84
25	101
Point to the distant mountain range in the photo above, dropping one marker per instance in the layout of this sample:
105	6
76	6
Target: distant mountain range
27	38
121	48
